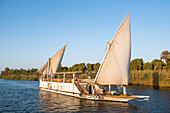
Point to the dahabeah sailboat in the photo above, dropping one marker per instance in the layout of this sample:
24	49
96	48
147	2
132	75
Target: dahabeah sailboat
113	71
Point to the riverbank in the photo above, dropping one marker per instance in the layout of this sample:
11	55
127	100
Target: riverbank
21	77
160	78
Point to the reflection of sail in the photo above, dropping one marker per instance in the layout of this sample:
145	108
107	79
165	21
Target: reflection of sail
54	63
115	67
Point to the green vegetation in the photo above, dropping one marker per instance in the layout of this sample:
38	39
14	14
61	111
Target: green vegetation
156	73
166	56
21	77
80	67
147	66
136	64
22	74
150	77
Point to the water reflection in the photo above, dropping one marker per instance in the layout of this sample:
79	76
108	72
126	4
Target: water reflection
53	102
25	96
149	87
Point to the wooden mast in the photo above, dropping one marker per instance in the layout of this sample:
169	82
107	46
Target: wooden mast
48	69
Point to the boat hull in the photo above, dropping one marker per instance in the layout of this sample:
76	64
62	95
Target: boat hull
93	97
71	89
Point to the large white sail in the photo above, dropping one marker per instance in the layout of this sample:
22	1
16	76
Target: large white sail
53	63
115	67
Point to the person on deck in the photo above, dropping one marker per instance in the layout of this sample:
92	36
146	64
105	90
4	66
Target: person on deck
93	92
76	80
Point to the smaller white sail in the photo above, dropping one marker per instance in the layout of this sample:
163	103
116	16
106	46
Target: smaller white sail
44	68
53	63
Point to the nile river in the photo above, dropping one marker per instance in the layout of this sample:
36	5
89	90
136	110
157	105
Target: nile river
25	96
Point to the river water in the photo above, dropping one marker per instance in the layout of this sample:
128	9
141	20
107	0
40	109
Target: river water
25	96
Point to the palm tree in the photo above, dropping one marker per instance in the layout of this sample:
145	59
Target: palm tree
166	56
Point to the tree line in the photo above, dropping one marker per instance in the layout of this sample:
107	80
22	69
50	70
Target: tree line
76	67
156	64
136	64
21	71
80	67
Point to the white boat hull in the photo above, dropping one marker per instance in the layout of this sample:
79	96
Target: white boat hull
70	89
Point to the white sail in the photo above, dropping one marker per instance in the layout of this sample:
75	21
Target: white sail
115	67
44	68
53	63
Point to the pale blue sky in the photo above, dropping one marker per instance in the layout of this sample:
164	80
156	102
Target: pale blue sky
31	31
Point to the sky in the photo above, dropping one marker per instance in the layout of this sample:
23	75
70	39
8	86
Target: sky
31	31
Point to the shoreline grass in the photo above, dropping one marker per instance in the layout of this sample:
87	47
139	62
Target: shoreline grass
159	78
